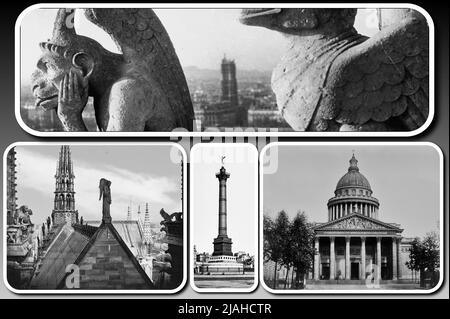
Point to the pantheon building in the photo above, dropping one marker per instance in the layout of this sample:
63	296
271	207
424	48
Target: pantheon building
355	242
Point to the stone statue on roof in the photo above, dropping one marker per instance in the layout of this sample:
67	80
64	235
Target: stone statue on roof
105	193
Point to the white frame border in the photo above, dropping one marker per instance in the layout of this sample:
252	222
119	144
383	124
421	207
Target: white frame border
352	291
238	132
192	214
85	291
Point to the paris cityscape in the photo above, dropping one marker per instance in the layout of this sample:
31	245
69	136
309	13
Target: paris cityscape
224	98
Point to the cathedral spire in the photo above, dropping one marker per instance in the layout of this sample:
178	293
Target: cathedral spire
147	226
64	202
129	214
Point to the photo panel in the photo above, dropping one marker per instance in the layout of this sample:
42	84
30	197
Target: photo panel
223	218
94	218
363	218
224	70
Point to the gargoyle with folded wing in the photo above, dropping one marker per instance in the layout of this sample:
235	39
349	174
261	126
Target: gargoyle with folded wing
332	78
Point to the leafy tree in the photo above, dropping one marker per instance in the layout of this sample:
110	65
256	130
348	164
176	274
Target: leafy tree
301	247
289	244
275	233
424	254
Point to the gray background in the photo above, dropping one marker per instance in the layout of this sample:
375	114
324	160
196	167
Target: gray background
438	133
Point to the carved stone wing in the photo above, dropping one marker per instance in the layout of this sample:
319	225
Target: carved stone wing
147	48
384	78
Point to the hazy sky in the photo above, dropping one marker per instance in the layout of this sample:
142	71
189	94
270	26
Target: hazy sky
241	163
201	37
138	174
405	180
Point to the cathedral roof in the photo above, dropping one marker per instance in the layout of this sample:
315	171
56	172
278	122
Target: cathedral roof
100	252
353	178
130	231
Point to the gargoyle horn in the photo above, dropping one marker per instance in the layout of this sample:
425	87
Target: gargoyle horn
64	27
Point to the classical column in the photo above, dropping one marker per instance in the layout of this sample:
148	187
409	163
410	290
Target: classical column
316	259
222	244
394	258
347	257
332	259
363	258
378	271
222	177
399	259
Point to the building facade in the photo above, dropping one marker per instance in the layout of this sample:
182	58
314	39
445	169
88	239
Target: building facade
11	183
21	238
225	110
229	82
354	244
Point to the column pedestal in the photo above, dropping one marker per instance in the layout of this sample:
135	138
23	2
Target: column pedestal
347	258
363	258
378	268
332	260
399	259
316	260
394	258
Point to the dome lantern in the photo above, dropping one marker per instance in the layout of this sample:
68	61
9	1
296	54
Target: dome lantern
353	194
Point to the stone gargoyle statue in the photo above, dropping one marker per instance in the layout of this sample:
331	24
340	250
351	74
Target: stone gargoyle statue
22	215
141	89
332	78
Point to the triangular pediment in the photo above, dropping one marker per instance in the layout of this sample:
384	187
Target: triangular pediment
357	222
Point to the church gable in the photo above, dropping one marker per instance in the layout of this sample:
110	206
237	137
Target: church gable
65	247
357	222
107	263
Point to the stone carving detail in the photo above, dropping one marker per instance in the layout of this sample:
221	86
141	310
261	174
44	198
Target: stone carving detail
333	79
21	229
22	216
105	193
142	89
355	223
174	217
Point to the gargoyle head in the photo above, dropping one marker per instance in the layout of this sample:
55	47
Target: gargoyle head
66	51
25	209
300	21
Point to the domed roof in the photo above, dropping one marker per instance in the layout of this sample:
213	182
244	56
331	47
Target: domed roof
353	178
